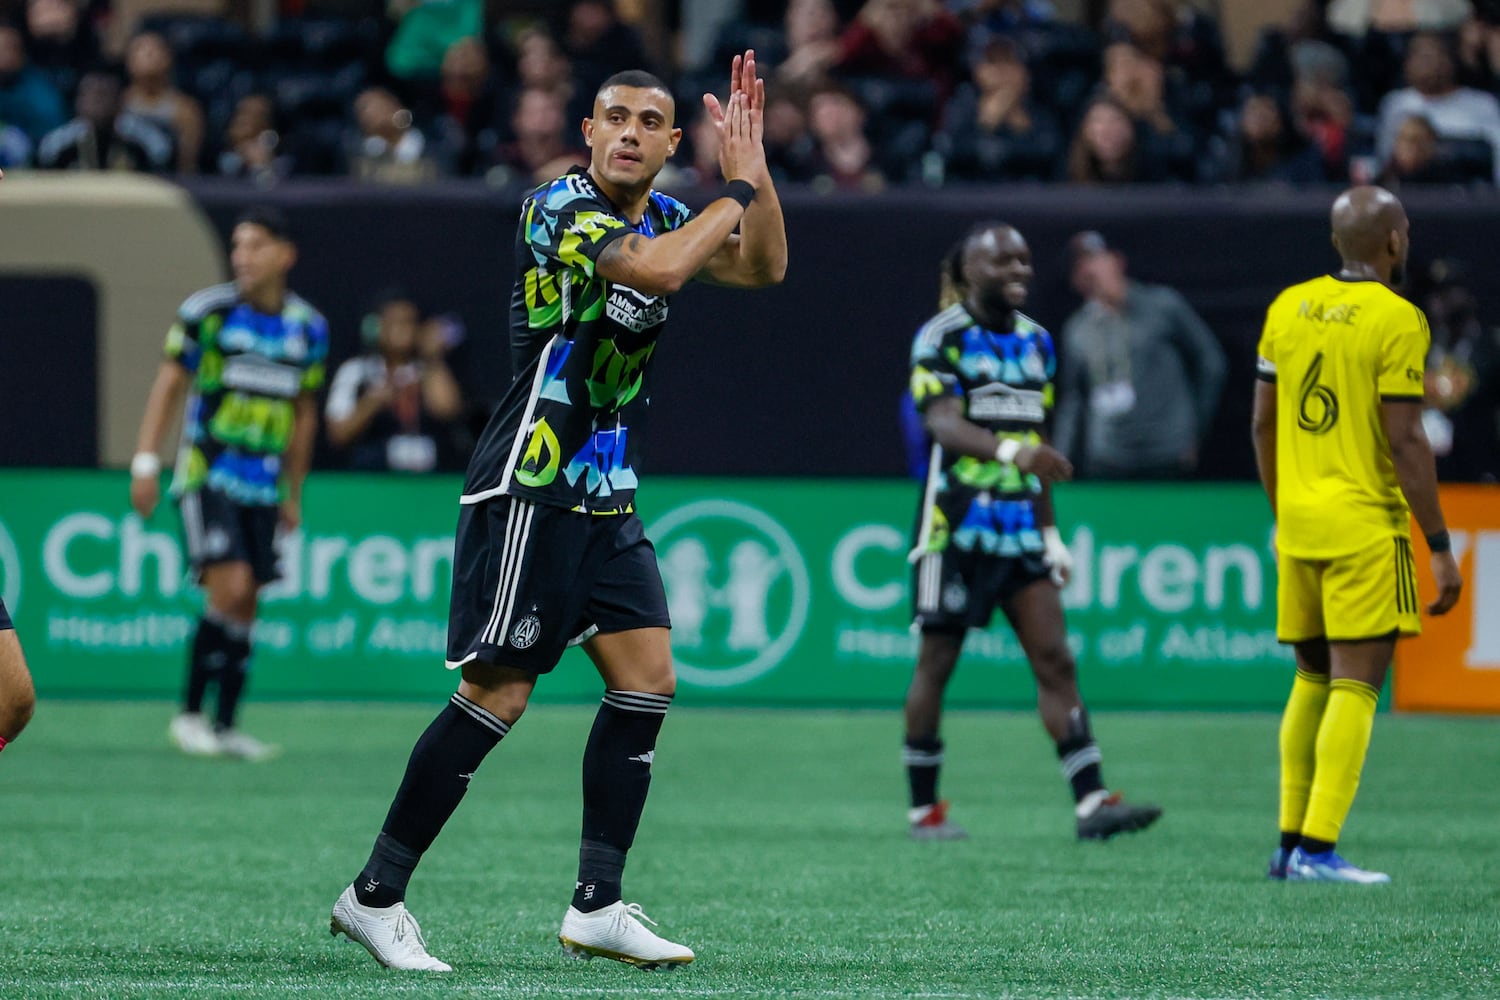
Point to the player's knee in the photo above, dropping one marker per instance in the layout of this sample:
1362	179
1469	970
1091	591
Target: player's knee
19	706
654	678
22	710
1055	668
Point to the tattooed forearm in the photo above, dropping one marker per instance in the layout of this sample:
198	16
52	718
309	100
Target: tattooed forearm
623	256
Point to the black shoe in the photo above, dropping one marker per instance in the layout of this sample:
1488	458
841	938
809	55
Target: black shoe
1115	815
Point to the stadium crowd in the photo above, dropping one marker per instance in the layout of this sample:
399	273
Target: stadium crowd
863	95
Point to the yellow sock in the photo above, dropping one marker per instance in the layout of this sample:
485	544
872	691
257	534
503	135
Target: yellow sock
1299	738
1343	739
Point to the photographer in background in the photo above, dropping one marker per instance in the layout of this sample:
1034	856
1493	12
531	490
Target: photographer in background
1462	385
389	409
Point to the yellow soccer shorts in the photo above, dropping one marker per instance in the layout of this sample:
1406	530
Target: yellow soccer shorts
1369	594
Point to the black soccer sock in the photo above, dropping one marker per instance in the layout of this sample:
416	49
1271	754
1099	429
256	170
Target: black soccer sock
206	661
1080	756
1312	845
437	776
616	778
923	759
234	674
1290	839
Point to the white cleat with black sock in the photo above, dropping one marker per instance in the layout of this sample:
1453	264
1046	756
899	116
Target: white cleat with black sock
389	933
194	736
240	744
616	932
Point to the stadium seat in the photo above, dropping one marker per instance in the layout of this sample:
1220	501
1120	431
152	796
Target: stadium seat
1473	160
195	40
305	95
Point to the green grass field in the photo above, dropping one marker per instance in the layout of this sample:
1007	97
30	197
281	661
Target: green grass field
774	844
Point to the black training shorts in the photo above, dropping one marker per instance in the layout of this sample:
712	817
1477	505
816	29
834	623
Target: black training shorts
955	590
529	578
220	530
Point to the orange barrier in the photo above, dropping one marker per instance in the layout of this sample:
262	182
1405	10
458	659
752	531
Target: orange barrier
1455	665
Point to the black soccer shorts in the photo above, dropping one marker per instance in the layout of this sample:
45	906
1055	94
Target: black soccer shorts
955	590
529	578
220	530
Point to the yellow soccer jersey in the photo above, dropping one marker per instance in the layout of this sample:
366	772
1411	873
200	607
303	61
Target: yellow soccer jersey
1335	348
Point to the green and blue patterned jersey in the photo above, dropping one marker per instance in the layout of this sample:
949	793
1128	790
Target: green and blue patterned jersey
1004	381
567	431
248	369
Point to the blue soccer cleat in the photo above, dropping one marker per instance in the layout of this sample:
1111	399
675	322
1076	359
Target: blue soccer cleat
1277	868
1328	867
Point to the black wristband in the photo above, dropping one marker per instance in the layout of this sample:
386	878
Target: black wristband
740	191
1439	542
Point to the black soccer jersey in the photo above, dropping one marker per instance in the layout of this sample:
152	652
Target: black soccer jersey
1005	383
566	432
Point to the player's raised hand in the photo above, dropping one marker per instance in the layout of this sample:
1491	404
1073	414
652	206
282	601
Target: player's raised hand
1045	462
750	91
741	155
1450	583
145	494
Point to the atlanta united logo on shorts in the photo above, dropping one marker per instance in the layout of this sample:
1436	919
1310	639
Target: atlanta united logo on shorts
526	632
955	596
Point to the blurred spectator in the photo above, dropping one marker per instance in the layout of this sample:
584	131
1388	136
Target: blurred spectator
60	41
1415	159
1137	83
698	165
599	45
992	128
996	17
391	409
1178	34
462	108
542	65
844	158
1106	149
1479	53
702	23
387	149
1462	418
1433	92
29	101
1358	17
904	39
1304	46
426	33
15	147
253	149
103	136
1323	114
812	42
1264	147
545	145
1141	373
153	96
790	147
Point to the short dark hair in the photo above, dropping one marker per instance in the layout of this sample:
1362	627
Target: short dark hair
269	218
635	78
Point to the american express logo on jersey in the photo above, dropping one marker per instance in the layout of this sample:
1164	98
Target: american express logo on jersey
290	343
252	373
634	311
1003	402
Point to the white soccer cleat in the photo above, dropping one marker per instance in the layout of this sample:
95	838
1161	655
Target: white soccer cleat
389	933
235	743
617	932
192	734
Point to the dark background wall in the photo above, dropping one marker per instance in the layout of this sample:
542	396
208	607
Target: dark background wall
803	379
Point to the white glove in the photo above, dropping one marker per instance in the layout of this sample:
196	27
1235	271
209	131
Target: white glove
1057	555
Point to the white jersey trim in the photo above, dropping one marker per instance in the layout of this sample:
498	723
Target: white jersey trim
522	429
929	498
